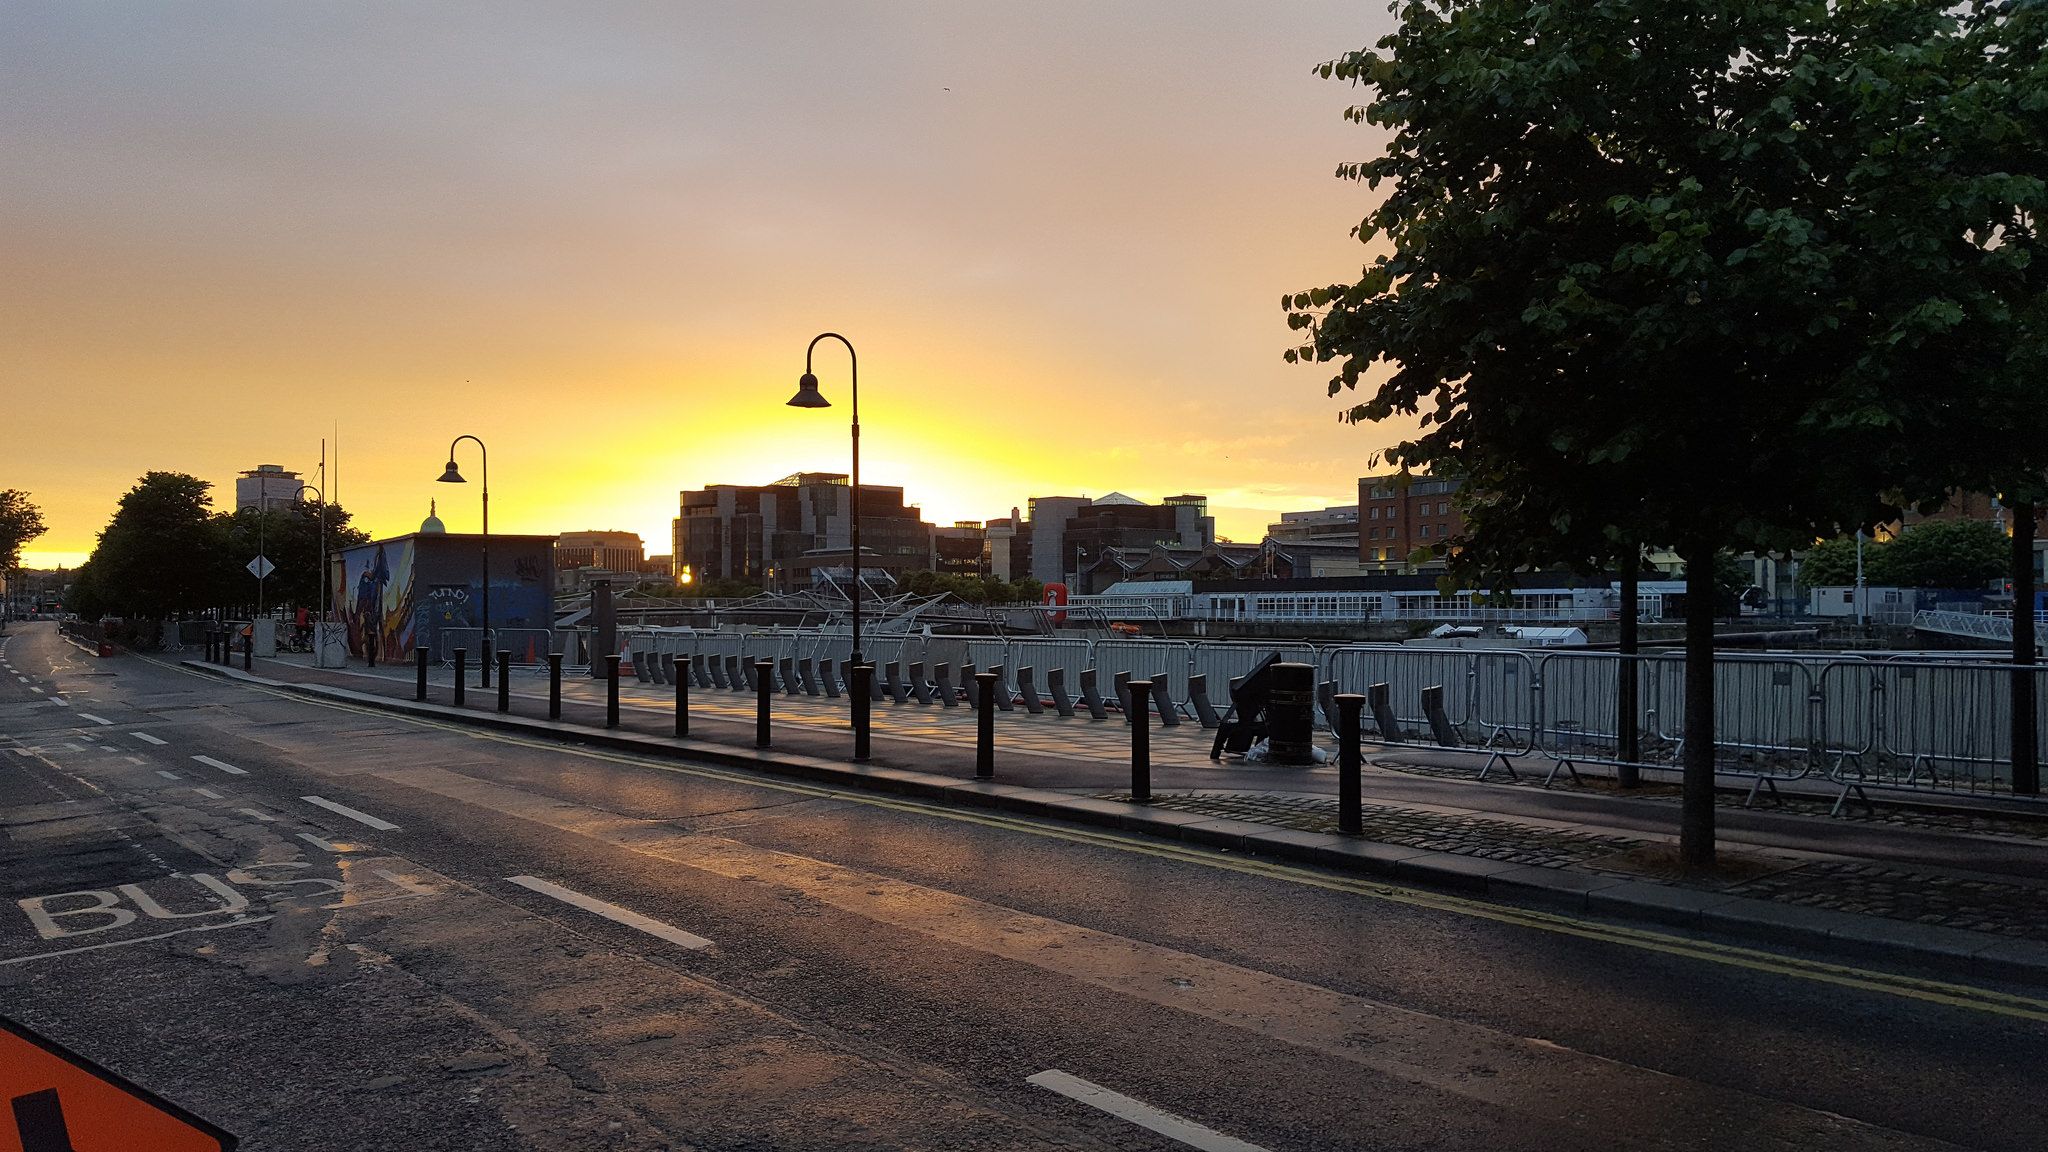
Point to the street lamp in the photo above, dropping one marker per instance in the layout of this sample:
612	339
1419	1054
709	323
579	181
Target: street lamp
808	396
315	490
451	476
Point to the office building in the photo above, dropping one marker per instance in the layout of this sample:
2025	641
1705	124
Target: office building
961	550
267	486
786	535
615	551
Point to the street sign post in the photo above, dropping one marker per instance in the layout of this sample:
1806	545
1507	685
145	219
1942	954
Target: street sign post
61	1101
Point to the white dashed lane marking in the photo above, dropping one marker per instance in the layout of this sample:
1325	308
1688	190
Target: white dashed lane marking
95	719
354	814
209	793
1137	1112
257	815
146	738
612	912
324	845
175	776
223	765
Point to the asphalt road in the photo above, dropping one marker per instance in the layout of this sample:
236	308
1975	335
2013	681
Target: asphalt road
792	966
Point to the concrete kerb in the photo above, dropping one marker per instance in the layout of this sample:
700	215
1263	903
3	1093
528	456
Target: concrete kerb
1746	918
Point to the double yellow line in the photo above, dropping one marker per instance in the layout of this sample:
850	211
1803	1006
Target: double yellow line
1734	956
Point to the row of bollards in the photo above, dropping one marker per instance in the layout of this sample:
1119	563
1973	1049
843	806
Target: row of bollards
1350	804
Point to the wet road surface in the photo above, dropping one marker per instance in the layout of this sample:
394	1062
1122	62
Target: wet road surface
324	927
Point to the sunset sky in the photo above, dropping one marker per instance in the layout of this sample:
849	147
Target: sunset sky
599	236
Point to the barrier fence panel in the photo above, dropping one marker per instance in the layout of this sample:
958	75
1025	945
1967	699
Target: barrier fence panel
1942	724
1146	660
1407	671
1505	711
1221	663
984	653
1043	656
527	645
1769	711
447	640
1580	704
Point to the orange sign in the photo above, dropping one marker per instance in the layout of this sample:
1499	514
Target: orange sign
66	1103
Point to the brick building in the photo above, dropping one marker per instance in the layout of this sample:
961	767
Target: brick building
1394	521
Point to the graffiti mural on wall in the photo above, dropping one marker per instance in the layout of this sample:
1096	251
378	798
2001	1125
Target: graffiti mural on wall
374	590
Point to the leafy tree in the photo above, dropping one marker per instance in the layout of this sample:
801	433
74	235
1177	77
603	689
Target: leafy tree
1944	554
1627	282
20	522
1969	169
722	588
974	589
290	538
163	552
1832	562
1930	554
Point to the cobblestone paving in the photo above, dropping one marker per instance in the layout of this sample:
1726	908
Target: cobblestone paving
1463	835
1533	771
1846	886
1875	890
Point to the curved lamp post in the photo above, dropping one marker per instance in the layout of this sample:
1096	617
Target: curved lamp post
315	490
451	476
808	396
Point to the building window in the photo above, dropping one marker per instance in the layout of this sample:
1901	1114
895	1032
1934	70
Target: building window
1443	507
1425	536
1391	509
1375	513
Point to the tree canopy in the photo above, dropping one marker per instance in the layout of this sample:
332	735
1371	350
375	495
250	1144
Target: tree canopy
1930	554
163	552
1680	272
166	551
20	522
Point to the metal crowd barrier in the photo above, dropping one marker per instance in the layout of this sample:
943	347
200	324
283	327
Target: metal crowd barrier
1919	722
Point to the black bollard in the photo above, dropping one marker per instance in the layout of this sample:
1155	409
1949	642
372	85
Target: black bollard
1350	758
249	650
554	685
861	691
504	680
680	673
1141	743
611	690
461	670
764	691
985	724
419	683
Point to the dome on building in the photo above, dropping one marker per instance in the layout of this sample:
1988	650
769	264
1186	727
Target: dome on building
432	525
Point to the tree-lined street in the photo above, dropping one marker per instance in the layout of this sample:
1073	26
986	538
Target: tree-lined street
820	968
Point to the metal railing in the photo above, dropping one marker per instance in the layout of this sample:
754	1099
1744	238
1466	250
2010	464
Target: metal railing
1921	721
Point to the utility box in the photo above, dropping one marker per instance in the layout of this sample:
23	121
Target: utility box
265	636
330	645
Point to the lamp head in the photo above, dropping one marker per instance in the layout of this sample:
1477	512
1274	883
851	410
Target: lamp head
807	395
451	476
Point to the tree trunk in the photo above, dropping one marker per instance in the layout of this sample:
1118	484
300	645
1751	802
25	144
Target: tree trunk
2026	768
1696	817
1628	677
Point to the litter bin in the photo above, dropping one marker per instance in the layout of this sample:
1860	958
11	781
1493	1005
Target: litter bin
1291	714
106	649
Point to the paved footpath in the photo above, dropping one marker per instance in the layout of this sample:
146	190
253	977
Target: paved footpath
1954	882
